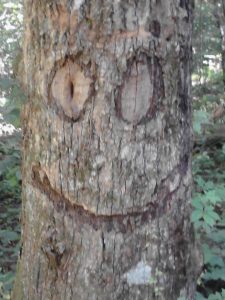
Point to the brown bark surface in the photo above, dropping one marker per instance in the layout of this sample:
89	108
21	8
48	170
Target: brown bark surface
106	152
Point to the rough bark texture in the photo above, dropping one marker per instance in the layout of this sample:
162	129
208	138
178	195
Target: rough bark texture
107	145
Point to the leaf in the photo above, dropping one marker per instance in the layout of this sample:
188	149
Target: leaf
198	224
216	261
210	221
199	117
222	218
196	215
215	274
213	215
215	296
200	182
213	196
207	252
8	277
7	236
217	236
200	296
197	203
209	185
221	193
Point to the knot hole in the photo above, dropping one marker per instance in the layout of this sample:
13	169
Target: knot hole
71	90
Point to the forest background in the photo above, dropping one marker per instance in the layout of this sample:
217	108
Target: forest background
208	81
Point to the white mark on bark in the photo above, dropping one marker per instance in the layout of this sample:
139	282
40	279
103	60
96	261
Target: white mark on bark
78	3
140	274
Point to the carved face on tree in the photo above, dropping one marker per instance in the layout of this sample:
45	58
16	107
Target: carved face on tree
107	142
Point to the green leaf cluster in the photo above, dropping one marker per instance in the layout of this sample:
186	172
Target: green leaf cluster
216	296
208	217
205	203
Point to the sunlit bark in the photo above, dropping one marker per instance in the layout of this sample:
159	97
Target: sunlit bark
106	152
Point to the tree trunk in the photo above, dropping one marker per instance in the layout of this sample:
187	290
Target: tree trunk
107	151
219	13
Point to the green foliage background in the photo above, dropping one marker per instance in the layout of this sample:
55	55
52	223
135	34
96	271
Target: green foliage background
11	99
208	163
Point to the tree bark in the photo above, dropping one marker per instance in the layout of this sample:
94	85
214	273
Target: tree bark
107	151
219	13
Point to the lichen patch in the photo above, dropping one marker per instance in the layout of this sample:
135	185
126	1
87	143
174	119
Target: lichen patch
139	275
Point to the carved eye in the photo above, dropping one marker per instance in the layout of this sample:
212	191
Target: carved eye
136	93
70	90
143	87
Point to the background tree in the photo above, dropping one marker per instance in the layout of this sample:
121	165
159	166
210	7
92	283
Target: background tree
106	151
208	213
219	13
206	40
